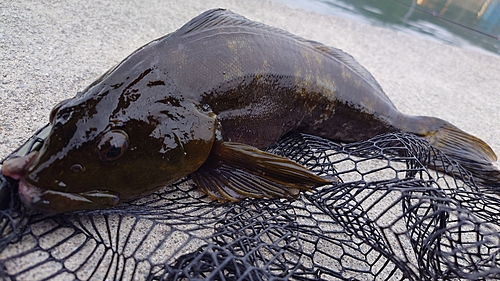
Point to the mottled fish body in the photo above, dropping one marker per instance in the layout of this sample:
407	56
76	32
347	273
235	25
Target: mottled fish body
204	101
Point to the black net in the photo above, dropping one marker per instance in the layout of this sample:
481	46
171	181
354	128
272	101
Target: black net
389	218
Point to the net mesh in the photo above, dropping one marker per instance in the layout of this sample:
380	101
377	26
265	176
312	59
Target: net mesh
389	217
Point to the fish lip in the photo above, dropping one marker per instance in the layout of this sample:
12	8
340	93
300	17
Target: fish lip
17	167
50	202
29	194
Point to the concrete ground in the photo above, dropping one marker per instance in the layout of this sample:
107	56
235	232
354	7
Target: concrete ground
49	50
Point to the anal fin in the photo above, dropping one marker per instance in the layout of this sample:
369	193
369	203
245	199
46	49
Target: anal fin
234	171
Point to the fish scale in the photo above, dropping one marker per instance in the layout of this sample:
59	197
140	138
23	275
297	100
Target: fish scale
205	101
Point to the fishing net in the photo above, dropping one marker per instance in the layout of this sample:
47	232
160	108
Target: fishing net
389	218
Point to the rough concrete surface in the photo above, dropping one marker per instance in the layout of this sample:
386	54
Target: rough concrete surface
52	49
49	50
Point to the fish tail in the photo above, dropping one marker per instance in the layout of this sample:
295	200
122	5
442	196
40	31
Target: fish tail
470	152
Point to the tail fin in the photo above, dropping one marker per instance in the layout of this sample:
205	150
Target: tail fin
470	152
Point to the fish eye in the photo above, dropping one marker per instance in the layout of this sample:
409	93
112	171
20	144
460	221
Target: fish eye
77	168
112	145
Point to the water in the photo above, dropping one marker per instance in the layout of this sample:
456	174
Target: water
473	24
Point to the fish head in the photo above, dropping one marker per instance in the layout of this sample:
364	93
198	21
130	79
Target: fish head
93	159
129	133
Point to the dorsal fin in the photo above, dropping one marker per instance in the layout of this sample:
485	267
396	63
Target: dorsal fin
214	18
217	18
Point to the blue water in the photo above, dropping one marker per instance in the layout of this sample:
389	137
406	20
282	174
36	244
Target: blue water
473	24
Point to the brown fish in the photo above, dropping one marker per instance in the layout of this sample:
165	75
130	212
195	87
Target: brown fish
204	101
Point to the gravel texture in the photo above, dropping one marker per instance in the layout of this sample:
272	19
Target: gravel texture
50	50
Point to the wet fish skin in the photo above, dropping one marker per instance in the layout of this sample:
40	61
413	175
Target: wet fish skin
220	87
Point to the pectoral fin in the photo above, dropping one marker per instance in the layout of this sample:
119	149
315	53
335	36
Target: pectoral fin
234	171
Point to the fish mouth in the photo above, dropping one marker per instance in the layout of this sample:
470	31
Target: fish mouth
51	202
16	167
30	195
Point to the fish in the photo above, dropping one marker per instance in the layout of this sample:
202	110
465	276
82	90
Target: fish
205	101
